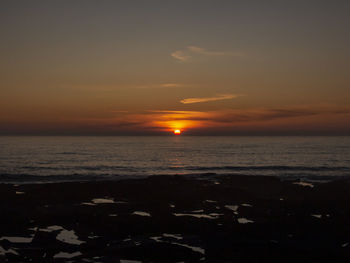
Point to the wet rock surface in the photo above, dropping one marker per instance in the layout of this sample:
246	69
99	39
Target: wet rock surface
174	219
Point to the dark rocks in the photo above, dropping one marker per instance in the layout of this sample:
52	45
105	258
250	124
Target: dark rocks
230	218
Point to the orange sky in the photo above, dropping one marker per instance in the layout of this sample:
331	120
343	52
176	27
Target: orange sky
228	68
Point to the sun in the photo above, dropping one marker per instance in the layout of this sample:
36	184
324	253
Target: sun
177	132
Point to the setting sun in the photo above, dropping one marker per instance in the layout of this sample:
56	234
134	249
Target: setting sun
177	131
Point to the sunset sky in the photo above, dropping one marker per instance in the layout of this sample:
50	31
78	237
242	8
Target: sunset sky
149	67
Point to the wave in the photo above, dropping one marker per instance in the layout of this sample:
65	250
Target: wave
187	168
73	168
262	168
34	179
37	174
31	178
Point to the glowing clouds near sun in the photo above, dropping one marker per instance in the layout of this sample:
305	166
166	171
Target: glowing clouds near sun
207	99
177	120
225	121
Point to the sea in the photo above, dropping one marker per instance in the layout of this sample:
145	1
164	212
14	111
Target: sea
35	159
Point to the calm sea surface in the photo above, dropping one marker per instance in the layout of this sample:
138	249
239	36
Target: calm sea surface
42	159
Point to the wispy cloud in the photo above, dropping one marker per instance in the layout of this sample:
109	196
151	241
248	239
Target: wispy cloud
206	99
172	85
285	120
164	85
180	55
186	54
203	51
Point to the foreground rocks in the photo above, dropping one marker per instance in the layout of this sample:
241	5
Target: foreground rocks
175	218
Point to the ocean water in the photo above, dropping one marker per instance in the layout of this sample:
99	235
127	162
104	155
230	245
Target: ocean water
50	159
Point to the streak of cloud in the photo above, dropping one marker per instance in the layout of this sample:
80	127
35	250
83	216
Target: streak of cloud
207	99
284	120
186	54
180	55
163	85
172	85
204	51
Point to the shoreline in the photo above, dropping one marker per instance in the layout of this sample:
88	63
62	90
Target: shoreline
11	179
176	218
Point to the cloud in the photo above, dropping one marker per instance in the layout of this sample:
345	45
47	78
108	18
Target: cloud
180	55
200	100
254	115
203	51
219	118
308	119
172	85
163	85
186	54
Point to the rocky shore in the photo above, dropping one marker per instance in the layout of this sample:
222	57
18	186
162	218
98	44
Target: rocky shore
176	219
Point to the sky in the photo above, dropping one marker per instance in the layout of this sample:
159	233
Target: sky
149	67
